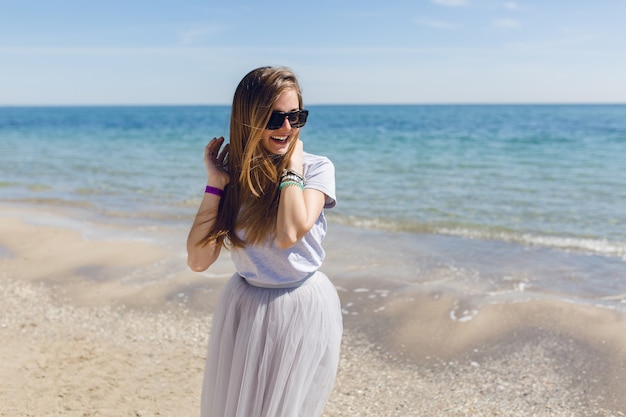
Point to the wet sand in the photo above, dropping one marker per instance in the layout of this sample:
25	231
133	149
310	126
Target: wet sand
86	332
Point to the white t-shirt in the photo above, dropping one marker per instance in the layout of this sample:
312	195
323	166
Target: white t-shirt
268	265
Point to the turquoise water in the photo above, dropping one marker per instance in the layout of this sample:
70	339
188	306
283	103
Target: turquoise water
546	175
488	199
541	173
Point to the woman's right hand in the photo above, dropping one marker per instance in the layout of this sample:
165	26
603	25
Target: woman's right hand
215	162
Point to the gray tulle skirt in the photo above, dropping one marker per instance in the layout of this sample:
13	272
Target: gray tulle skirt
273	352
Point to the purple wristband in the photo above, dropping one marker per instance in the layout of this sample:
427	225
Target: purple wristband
213	190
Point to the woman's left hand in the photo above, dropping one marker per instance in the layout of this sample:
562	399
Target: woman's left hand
296	161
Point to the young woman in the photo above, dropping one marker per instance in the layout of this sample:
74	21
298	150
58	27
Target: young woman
274	344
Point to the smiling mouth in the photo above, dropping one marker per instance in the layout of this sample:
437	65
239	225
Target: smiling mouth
281	139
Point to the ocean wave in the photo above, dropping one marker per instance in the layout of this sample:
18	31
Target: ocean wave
52	202
567	243
583	244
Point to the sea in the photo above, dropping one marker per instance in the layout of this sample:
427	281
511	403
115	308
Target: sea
496	202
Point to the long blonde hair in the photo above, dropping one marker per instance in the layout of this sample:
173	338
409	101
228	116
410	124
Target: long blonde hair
250	202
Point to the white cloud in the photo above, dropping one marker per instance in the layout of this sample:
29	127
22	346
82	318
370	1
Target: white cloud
506	23
437	24
104	51
511	5
197	34
452	3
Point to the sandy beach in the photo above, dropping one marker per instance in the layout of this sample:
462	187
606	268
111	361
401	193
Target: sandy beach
78	340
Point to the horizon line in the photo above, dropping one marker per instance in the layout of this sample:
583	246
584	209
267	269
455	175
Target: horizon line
468	103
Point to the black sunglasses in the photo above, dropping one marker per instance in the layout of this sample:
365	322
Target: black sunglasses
296	118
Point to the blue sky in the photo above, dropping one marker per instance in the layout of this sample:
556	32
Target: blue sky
421	51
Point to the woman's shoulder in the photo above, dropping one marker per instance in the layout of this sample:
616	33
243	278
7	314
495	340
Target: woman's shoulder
315	160
319	172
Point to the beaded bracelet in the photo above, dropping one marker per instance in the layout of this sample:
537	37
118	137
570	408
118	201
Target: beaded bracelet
290	173
213	190
290	183
290	177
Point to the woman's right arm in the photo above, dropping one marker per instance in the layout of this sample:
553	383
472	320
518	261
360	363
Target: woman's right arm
200	257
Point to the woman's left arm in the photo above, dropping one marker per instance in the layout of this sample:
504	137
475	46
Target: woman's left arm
297	209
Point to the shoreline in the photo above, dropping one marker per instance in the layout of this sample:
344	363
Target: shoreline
80	340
